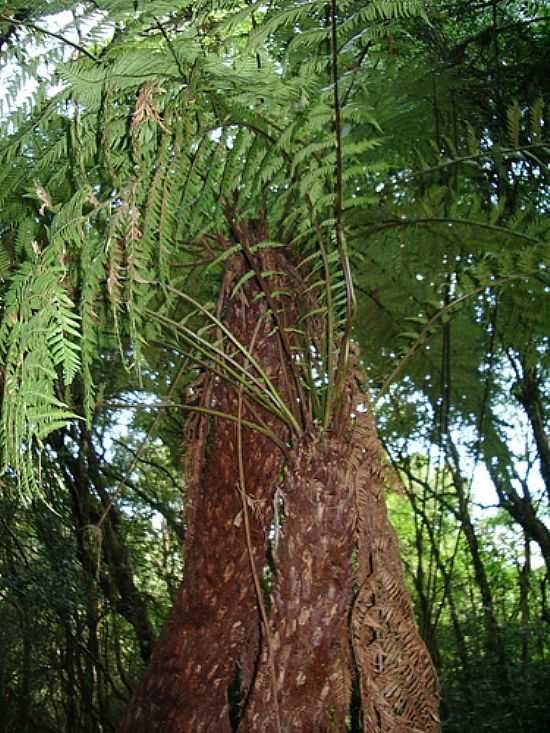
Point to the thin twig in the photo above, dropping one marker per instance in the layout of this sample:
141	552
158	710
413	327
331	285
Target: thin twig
203	411
171	49
396	223
425	331
405	177
340	240
224	361
356	68
273	394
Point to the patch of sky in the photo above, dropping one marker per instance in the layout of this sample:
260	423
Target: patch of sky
118	432
60	31
515	427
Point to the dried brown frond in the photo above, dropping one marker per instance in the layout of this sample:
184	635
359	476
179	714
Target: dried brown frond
43	196
397	678
145	110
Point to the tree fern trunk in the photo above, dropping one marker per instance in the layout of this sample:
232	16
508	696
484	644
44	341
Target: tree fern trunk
340	585
192	665
304	682
215	614
296	671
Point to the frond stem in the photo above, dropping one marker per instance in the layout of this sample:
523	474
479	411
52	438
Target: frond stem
340	240
27	24
203	411
275	396
330	313
238	373
396	223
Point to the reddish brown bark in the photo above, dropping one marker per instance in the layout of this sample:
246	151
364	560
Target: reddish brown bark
305	665
186	685
334	485
295	669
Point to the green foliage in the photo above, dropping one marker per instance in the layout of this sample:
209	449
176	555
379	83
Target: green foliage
130	169
38	339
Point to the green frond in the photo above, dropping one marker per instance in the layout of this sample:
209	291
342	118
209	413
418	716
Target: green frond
39	345
93	260
513	115
537	119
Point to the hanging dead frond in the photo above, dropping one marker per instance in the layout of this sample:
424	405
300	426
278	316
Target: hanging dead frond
144	111
397	678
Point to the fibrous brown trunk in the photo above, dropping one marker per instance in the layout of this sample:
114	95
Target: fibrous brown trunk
215	615
338	604
303	668
322	605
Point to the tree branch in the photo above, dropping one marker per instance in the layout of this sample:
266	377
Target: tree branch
51	34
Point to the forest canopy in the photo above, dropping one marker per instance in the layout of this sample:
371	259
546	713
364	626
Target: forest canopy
274	366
